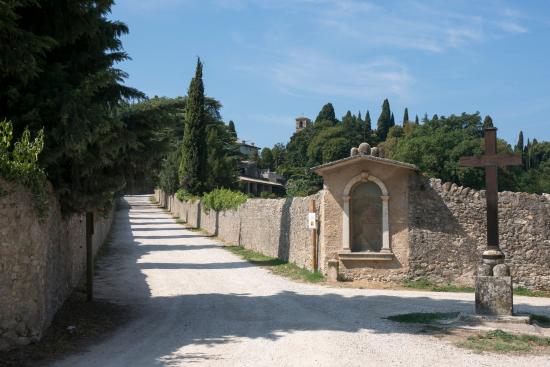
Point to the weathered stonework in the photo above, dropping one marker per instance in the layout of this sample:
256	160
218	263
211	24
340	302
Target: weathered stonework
274	227
447	233
40	262
437	231
494	296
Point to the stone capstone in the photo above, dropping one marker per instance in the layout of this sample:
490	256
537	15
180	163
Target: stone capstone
364	148
501	270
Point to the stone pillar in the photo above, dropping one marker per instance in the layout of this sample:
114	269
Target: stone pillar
332	271
494	291
385	225
345	226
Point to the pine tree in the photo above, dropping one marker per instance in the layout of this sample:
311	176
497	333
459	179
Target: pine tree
57	72
406	116
231	129
384	121
487	122
327	114
416	120
193	161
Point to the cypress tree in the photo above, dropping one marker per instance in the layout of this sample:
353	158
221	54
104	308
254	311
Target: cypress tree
327	114
231	129
384	121
368	122
406	116
367	126
193	160
487	122
425	118
416	120
519	145
392	120
347	120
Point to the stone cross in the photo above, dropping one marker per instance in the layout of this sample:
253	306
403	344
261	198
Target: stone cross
491	161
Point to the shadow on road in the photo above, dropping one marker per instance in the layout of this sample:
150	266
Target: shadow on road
213	318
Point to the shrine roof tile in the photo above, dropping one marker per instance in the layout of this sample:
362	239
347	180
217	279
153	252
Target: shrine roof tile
341	162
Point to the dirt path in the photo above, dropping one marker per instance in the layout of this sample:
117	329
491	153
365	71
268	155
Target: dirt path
198	303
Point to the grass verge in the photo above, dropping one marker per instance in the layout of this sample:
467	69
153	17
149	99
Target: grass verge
503	342
277	266
423	317
425	284
521	291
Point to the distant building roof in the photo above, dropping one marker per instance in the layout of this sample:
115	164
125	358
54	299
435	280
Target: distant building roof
257	180
248	144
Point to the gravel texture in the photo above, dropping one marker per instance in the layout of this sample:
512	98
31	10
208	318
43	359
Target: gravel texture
198	303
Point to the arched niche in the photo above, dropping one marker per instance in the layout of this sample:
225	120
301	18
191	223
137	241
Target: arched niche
365	182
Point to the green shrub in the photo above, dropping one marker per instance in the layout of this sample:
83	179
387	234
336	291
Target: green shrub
183	195
268	195
20	164
223	199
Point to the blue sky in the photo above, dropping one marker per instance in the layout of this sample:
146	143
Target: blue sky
269	61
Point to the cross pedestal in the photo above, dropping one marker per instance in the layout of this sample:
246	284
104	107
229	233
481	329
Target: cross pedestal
493	281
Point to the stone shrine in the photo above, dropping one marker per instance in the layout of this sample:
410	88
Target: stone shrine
365	213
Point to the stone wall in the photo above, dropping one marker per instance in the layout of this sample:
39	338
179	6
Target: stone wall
447	233
40	262
274	227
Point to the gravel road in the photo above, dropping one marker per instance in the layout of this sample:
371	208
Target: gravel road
198	304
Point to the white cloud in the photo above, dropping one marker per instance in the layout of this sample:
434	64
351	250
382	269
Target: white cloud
512	27
302	72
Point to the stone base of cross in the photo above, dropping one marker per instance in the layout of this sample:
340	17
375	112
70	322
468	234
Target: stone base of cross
493	283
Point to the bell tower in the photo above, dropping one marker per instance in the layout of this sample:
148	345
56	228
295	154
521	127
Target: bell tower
302	122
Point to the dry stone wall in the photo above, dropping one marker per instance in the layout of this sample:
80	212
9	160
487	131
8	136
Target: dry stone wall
274	227
40	262
447	233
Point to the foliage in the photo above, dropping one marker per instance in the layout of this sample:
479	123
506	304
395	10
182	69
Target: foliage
153	131
183	195
168	177
222	157
56	72
384	121
303	185
268	195
20	163
223	199
193	160
277	266
501	341
327	114
231	129
266	159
